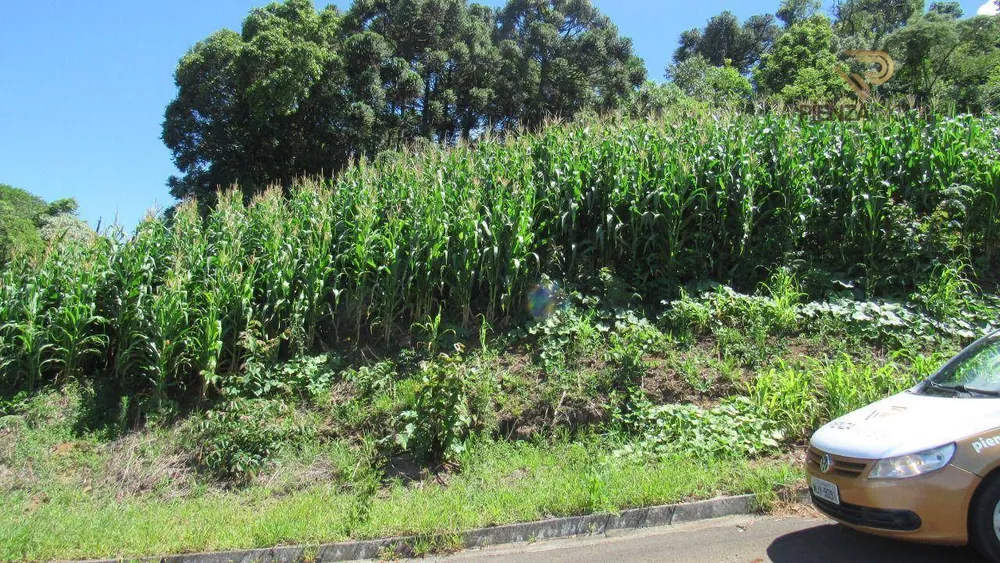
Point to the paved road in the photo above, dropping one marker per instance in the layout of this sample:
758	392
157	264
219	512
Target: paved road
731	540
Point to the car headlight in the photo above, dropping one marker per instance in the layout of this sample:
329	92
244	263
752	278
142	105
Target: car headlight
914	464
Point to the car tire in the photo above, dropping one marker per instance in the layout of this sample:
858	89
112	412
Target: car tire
984	520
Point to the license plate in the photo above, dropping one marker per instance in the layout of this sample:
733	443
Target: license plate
825	490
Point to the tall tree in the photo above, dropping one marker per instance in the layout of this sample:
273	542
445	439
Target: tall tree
721	86
559	57
687	44
802	64
974	72
442	52
951	10
725	41
301	91
923	51
792	12
653	98
263	106
27	223
864	24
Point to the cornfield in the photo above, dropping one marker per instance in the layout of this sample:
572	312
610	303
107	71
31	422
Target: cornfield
175	308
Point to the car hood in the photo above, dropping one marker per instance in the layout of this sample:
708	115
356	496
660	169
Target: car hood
907	423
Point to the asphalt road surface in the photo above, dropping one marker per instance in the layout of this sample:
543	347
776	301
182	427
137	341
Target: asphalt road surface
793	539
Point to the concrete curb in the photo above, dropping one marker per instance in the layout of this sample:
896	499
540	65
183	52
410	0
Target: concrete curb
594	524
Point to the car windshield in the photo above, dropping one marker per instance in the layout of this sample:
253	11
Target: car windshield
975	371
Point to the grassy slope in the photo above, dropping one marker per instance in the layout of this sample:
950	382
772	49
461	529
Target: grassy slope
311	454
545	440
63	503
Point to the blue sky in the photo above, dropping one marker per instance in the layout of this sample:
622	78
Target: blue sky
83	86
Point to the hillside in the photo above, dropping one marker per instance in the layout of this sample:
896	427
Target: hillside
609	313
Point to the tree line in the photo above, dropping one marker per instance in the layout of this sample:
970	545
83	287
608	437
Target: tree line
941	58
28	224
300	91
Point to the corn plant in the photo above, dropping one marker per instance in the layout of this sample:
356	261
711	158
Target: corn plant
181	306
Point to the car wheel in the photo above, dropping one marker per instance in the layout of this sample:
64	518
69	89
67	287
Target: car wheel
984	524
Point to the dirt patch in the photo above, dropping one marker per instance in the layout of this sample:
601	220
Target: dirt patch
663	385
63	448
415	475
795	509
343	392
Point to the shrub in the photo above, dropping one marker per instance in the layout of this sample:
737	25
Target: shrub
848	385
899	325
303	377
742	325
633	338
565	336
947	292
790	397
237	440
372	380
436	427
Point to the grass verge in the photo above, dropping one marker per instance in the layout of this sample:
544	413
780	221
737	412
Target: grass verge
500	483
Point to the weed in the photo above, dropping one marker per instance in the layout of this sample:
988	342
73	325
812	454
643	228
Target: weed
438	424
565	336
733	429
947	291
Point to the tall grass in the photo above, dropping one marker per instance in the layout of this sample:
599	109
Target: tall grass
179	307
803	396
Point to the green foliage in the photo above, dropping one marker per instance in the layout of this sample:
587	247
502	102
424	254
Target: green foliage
733	429
922	50
240	438
743	325
792	12
434	333
631	340
802	64
947	292
898	325
18	230
180	311
941	60
723	86
800	397
789	398
372	380
864	24
653	100
558	58
438	425
725	42
27	223
973	72
565	336
305	92
305	377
